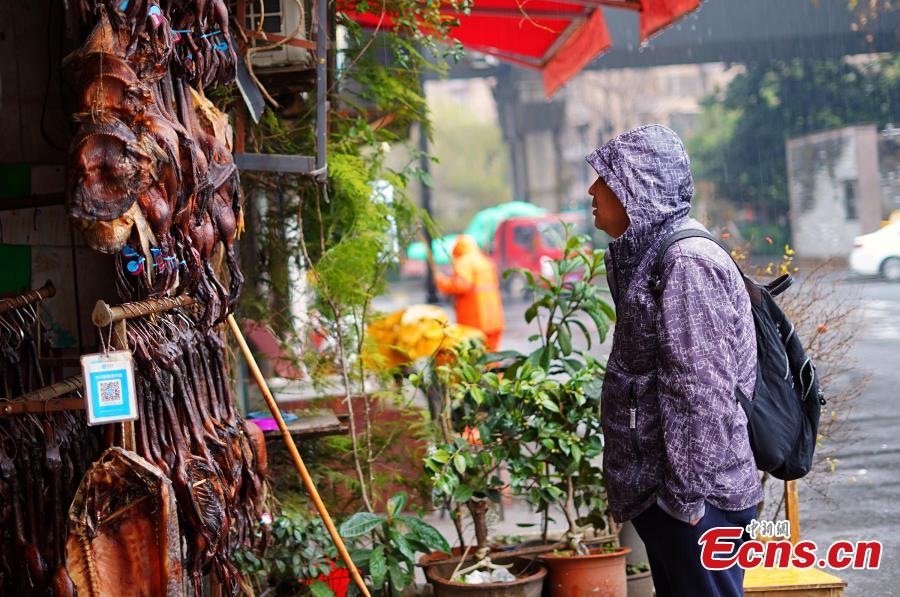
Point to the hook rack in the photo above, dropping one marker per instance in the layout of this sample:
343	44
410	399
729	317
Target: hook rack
105	315
32	296
46	399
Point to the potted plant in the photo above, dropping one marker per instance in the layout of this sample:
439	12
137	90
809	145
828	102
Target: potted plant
466	472
546	410
386	545
640	581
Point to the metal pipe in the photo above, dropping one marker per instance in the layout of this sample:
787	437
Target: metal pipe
27	298
105	315
321	86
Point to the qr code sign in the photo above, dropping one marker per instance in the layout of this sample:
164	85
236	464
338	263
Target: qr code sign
111	392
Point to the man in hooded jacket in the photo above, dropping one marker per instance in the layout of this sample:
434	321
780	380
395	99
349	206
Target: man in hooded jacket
677	458
476	290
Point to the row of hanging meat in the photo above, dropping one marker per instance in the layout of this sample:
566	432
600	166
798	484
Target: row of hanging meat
75	519
42	459
152	180
151	176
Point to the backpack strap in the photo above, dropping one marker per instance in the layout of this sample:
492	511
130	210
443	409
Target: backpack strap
774	288
779	284
655	283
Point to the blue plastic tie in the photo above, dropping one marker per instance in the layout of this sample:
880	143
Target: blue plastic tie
135	266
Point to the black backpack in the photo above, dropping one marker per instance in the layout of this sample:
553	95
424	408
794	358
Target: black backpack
783	414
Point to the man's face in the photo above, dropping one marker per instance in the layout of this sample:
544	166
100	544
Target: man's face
609	213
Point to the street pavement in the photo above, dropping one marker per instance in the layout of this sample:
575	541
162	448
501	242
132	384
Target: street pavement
862	501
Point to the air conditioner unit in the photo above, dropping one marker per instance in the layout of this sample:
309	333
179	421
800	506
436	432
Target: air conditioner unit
280	18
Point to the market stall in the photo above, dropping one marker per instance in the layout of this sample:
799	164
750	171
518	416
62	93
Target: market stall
125	465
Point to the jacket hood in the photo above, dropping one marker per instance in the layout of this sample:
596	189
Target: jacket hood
464	245
649	171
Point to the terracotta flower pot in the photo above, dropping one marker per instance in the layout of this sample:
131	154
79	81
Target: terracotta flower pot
599	574
530	584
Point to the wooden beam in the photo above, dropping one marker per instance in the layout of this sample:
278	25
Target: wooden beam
27	298
626	4
46	399
105	315
240	129
525	12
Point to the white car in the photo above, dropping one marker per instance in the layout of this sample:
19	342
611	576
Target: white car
878	253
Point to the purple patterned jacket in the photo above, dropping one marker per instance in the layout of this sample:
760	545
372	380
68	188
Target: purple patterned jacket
674	431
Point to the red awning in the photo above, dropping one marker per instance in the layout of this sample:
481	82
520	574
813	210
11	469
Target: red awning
557	37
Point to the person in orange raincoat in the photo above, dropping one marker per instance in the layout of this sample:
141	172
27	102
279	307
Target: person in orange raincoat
476	289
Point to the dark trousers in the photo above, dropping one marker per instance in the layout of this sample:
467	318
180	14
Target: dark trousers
675	553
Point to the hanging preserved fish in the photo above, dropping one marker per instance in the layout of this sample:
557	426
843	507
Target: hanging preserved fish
123	535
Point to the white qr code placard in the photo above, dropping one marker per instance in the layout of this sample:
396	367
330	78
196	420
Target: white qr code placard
109	387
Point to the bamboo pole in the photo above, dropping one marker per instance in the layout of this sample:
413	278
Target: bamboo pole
27	298
105	315
46	399
295	455
792	509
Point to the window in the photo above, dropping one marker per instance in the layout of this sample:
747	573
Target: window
271	15
850	207
524	236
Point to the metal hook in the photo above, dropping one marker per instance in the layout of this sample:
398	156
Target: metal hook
7	327
14	331
170	325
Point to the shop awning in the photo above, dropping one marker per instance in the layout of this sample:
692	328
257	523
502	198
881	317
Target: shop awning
557	37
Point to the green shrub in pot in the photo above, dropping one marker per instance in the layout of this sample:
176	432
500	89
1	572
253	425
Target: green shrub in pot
385	545
463	470
545	408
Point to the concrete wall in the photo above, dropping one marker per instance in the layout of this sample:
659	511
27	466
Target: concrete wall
828	173
889	170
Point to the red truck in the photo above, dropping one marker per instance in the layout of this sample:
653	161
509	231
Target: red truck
526	242
529	243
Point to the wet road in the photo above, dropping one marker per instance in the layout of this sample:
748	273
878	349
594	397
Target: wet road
863	499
